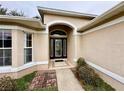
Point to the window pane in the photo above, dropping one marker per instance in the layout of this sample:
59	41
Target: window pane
1	61
29	44
58	48
7	52
64	47
51	47
28	55
58	32
7	43
7	61
28	58
29	51
1	52
0	35
1	43
29	37
28	40
7	35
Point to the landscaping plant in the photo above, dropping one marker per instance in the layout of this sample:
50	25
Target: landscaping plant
90	79
81	62
7	84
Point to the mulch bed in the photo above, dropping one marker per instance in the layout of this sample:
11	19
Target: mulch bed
75	73
44	79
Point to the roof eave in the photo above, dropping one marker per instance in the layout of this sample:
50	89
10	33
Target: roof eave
44	10
113	11
5	18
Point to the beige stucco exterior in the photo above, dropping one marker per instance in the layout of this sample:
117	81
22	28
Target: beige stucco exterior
17	48
39	52
77	22
73	40
40	47
102	45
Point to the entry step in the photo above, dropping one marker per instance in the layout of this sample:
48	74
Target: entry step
58	64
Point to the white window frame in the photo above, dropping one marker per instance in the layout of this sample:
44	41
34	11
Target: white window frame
25	47
4	48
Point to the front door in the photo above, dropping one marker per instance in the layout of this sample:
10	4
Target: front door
58	48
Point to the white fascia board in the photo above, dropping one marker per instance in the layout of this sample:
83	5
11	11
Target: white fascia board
111	23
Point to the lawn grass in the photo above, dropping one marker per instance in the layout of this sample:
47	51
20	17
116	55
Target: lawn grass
23	83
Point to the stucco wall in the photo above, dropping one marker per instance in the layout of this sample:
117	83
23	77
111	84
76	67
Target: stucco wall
70	47
17	48
105	47
40	47
24	72
39	52
78	22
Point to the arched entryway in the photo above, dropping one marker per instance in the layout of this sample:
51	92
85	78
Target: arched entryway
61	42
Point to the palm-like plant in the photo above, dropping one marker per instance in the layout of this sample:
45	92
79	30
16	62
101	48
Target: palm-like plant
3	11
15	13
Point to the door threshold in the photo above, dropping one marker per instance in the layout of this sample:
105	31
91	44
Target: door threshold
59	60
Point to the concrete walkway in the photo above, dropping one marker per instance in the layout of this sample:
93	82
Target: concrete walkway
67	81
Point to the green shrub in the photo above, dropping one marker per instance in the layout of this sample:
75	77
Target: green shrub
88	87
7	84
88	75
89	78
81	62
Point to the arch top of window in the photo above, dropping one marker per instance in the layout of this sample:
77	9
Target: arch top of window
58	33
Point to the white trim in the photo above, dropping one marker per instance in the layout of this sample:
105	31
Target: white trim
107	72
75	40
5	69
111	23
41	63
10	69
61	22
75	60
